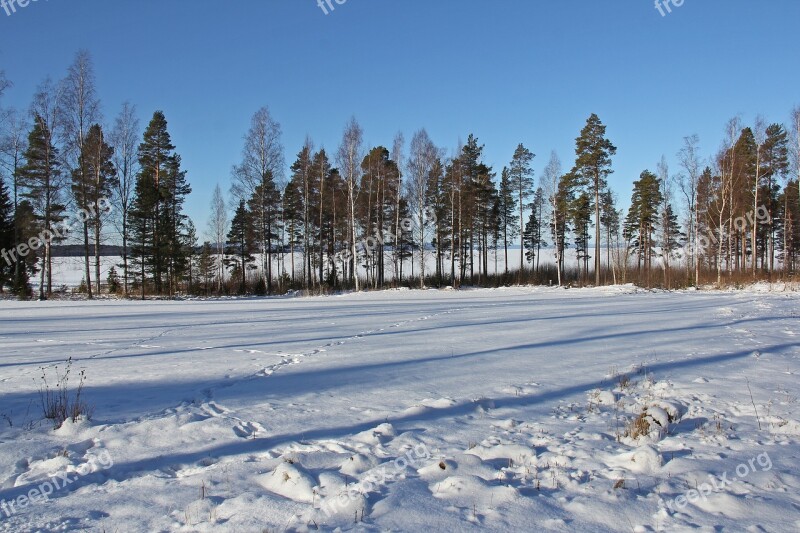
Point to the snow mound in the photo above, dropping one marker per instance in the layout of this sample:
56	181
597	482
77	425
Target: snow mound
643	460
290	481
357	464
514	452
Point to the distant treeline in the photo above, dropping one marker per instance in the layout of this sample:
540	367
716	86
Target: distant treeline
374	217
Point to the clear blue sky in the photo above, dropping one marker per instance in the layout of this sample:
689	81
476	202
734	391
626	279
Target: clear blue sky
509	71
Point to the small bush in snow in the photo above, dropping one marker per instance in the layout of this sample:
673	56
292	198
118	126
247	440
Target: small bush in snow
59	403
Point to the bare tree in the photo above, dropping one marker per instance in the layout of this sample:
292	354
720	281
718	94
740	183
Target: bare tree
4	82
259	177
262	154
727	167
688	181
124	138
421	160
549	184
349	158
218	229
80	110
666	228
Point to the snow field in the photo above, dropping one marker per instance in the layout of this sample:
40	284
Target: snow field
559	410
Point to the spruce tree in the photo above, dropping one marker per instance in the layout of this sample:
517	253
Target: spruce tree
7	243
241	245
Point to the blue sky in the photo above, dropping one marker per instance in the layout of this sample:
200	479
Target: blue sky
509	71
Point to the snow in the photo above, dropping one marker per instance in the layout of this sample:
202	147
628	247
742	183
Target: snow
506	409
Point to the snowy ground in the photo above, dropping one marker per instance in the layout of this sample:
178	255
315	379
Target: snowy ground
504	410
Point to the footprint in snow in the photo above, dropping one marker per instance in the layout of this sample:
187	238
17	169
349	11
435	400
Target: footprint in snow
248	430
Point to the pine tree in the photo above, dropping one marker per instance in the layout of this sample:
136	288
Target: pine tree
533	238
294	217
581	218
507	212
438	207
593	166
609	220
92	185
561	201
789	230
300	197
776	165
642	219
521	176
41	178
157	219
265	205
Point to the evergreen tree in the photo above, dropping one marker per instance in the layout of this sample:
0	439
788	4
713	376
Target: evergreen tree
294	218
27	225
593	166
776	165
241	245
113	281
675	237
206	268
7	241
265	207
642	219
157	219
41	179
438	206
521	176
581	215
561	201
507	212
609	220
533	238
789	230
92	185
300	196
190	247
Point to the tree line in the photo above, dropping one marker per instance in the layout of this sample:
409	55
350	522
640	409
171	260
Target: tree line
373	217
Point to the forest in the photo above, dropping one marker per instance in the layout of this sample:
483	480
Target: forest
411	214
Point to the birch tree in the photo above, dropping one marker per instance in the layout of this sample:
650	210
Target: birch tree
349	158
423	156
124	137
